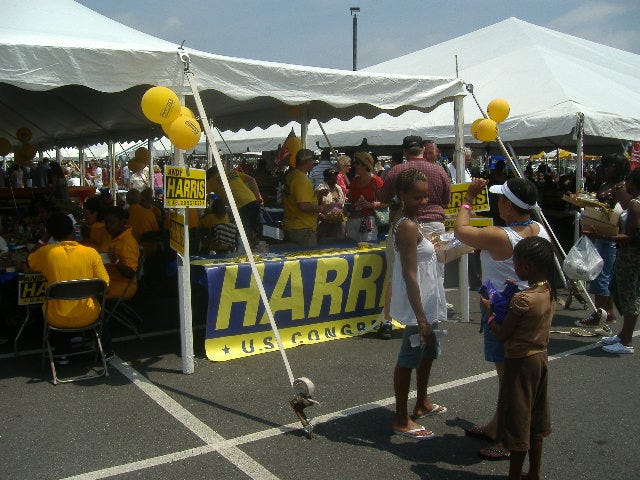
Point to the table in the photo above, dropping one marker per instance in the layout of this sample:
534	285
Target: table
315	296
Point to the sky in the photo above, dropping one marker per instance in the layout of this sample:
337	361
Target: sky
320	32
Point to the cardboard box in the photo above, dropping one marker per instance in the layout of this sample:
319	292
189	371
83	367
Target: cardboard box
600	215
597	226
449	254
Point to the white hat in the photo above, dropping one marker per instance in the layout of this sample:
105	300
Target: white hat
512	197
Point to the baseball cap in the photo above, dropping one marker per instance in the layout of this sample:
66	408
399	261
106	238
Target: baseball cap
411	141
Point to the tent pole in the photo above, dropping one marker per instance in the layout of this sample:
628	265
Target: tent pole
458	156
111	149
304	126
579	167
334	154
236	215
150	148
83	178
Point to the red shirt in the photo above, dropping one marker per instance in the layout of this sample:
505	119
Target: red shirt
437	179
370	192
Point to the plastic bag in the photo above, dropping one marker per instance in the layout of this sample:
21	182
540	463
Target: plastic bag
583	261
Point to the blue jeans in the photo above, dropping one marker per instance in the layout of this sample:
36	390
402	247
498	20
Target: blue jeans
600	284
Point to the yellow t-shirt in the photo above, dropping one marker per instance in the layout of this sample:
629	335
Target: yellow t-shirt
126	248
68	260
141	220
211	219
242	194
298	188
99	238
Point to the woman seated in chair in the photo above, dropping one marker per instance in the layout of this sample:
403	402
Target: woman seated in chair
123	253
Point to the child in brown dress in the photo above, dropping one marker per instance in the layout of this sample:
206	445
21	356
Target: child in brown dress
523	406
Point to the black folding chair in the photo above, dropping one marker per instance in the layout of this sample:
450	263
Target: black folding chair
95	288
120	309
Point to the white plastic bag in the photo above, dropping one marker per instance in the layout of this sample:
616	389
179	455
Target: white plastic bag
583	261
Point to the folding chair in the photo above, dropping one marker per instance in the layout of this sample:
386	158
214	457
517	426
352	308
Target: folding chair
95	288
120	309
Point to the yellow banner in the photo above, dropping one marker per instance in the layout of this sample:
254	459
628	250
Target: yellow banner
450	222
185	189
176	232
31	288
247	344
458	191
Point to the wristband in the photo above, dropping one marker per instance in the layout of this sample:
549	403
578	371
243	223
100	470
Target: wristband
466	206
40	242
116	261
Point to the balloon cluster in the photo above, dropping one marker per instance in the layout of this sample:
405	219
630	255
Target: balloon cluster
23	154
486	129
161	105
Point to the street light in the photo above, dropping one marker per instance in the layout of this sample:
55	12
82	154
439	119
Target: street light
354	14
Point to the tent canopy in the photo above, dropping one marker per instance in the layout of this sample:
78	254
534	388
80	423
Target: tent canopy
73	77
547	77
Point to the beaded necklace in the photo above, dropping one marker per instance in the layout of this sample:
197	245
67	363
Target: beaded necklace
521	224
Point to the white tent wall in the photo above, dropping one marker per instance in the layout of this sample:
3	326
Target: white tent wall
74	76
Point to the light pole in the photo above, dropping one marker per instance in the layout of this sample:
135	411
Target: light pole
354	14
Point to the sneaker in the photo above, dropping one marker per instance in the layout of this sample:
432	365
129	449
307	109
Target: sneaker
617	348
385	331
610	340
63	360
592	320
109	356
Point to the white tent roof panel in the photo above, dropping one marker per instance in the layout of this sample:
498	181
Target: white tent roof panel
74	76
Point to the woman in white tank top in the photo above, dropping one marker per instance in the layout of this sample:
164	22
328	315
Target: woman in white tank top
517	197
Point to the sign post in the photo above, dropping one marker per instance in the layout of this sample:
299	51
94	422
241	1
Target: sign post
184	188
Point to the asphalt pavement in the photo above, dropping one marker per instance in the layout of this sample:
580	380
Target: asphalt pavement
232	420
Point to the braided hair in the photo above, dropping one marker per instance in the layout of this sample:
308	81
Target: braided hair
407	178
538	252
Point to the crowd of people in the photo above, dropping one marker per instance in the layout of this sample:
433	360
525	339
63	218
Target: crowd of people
347	198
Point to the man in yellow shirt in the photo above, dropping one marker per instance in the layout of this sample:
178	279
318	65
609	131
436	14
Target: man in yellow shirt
301	207
141	220
245	193
67	260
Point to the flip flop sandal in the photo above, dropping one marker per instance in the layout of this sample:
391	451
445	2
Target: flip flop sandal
417	433
494	453
436	410
477	432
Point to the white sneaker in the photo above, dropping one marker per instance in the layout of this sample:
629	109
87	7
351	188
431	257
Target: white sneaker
617	348
610	340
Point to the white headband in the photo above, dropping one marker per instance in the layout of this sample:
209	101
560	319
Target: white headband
514	199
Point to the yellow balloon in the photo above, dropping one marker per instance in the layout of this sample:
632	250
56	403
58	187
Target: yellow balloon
184	132
27	151
160	105
142	155
186	112
290	147
5	146
487	130
474	127
498	110
23	134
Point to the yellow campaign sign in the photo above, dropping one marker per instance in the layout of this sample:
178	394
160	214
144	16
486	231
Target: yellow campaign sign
450	222
458	191
31	288
185	189
176	232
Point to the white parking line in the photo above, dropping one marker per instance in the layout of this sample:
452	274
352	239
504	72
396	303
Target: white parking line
228	448
213	440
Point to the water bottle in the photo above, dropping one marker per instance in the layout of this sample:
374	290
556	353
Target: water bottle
77	233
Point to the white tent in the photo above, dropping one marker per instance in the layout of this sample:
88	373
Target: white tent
548	78
73	77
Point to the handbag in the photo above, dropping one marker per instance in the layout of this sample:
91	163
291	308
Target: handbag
381	215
